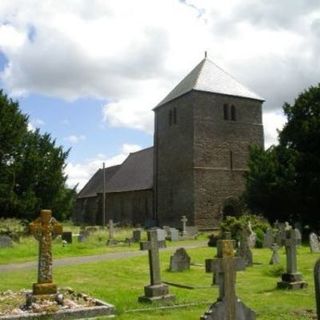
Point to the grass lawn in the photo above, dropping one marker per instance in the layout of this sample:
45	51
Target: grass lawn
121	283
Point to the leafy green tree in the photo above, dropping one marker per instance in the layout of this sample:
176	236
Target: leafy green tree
31	168
283	182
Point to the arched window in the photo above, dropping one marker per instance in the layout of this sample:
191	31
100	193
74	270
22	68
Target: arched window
225	112
174	116
170	117
233	113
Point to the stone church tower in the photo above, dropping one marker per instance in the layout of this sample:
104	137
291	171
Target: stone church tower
203	130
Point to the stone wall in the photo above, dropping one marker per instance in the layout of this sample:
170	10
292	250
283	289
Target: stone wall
173	166
221	152
130	208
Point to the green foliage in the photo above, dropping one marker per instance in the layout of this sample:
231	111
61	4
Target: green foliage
31	168
235	224
283	182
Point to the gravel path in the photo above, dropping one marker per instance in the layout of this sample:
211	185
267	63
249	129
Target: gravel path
87	259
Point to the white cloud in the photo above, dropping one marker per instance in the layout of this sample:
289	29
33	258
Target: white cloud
80	173
74	139
132	53
273	121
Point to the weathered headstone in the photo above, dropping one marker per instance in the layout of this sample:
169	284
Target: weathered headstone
291	279
180	261
136	235
156	291
83	235
244	250
67	236
228	306
5	241
161	234
184	221
111	240
44	229
252	239
174	234
314	243
275	255
268	239
317	286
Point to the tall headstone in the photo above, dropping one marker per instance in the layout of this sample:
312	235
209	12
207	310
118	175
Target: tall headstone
275	255
317	286
44	229
156	291
180	261
184	221
244	250
252	239
111	239
314	243
136	235
268	239
228	306
291	279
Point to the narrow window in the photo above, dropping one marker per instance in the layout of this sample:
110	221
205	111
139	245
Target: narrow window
174	116
225	112
170	118
233	113
231	160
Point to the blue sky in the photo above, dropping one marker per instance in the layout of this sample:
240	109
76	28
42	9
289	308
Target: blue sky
90	72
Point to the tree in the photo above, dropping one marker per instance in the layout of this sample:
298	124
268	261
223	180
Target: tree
32	167
283	182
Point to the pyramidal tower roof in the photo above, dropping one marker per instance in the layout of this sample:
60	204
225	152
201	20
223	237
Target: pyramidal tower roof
208	77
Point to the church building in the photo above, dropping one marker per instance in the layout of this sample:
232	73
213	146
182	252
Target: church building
203	130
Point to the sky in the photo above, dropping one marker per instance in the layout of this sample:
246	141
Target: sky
90	72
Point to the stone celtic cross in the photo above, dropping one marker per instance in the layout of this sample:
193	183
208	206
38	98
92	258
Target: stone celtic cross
228	306
44	229
156	290
184	221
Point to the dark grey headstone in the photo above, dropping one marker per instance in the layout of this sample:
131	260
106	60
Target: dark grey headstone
180	261
5	241
314	243
67	236
268	239
136	235
244	250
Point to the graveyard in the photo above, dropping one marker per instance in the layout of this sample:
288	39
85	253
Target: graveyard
119	275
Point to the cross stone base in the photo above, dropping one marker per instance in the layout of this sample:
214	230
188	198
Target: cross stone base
159	292
44	288
292	281
218	311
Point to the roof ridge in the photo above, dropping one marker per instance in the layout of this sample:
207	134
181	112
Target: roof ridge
141	150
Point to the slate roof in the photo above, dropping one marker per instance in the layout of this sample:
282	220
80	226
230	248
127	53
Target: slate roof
135	173
95	184
208	77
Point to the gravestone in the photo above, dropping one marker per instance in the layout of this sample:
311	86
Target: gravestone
156	291
44	229
314	243
180	261
317	286
67	236
268	239
83	235
5	241
228	306
136	235
275	255
111	240
291	279
298	236
161	234
174	234
244	250
252	239
184	221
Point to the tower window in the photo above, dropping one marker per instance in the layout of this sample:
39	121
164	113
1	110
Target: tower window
170	117
225	112
233	113
174	116
231	160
